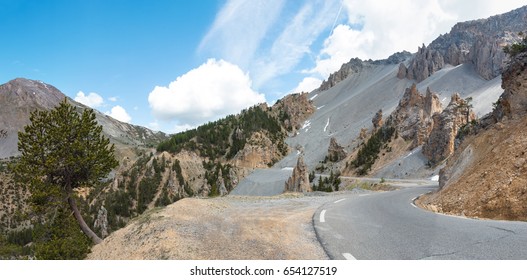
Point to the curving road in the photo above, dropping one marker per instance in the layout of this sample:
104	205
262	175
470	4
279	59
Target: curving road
388	226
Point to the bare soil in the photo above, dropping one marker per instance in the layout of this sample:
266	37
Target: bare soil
222	228
488	175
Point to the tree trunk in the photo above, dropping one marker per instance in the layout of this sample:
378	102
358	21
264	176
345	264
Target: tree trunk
84	227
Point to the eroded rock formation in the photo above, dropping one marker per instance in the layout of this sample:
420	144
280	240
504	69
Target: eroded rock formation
413	116
441	142
377	119
101	222
335	151
299	180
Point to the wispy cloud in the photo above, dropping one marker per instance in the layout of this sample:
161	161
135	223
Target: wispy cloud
268	38
295	41
239	29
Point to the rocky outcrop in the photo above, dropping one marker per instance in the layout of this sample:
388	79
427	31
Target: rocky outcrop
101	222
413	116
425	63
377	119
402	72
222	190
293	110
513	102
441	142
479	42
299	180
259	152
355	65
335	151
363	133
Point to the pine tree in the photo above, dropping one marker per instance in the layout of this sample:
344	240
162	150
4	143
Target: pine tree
63	150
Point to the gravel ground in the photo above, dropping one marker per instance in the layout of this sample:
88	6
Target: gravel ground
261	228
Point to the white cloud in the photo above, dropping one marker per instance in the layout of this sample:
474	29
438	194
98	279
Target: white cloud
214	89
398	25
180	128
120	114
308	84
92	100
113	98
343	44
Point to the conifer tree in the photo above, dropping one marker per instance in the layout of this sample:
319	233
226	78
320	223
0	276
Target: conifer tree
63	150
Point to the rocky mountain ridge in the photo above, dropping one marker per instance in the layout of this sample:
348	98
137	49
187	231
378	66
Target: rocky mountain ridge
479	42
355	65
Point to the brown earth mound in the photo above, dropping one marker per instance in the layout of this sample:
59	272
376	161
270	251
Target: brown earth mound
488	176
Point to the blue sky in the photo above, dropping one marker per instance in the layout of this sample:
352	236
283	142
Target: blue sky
171	65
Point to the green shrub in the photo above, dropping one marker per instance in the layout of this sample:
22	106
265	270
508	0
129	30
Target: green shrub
60	238
517	48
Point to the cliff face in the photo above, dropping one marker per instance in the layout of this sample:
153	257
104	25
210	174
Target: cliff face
487	175
440	143
513	101
413	116
479	42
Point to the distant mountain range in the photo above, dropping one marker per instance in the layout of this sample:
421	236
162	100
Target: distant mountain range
20	97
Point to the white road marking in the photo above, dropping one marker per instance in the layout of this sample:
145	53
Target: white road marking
326	127
322	216
364	194
340	200
413	202
349	256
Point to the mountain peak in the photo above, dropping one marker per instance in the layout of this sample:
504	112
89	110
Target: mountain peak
30	93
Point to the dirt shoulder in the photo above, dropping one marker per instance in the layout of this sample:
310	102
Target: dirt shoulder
222	228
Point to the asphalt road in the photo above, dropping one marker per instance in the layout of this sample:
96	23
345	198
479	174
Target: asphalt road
388	226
